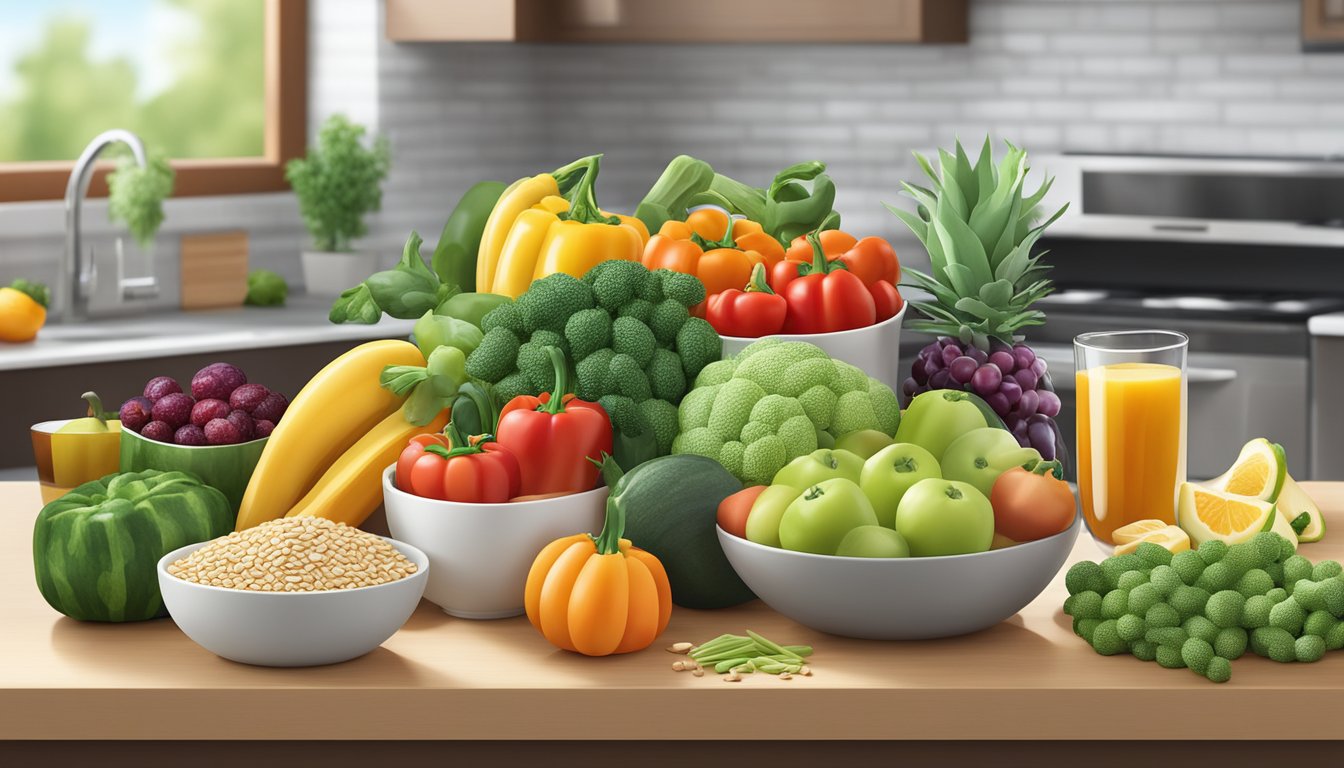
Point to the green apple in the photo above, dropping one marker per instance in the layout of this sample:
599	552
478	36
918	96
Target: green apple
945	517
890	473
937	417
863	442
981	455
822	464
94	423
763	520
820	518
873	541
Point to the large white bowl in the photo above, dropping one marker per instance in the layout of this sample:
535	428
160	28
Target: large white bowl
291	629
875	349
481	553
908	598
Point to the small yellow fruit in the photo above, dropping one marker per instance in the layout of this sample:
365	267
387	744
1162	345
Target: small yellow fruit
1137	530
1169	537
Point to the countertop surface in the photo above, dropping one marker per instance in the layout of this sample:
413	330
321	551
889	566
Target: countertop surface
447	678
303	320
1327	325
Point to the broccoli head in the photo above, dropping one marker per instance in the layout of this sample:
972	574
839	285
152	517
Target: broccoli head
548	303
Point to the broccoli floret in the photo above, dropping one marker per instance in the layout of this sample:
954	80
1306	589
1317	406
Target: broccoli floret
1130	580
804	373
1160	616
533	362
1114	604
1196	654
511	386
695	408
1188	601
506	316
1295	569
819	403
593	375
1115	567
1106	639
1143	650
848	378
549	302
763	459
732	457
1286	549
1087	605
1230	643
662	418
700	441
771	370
626	417
495	357
1085	628
1200	627
1275	571
1130	628
852	410
1224	608
1277	594
615	283
1188	565
1212	551
587	332
650	287
1332	595
1307	593
1241	558
1309	648
886	406
1169	657
1266	544
1163	577
1326	569
1334	639
1219	670
1255	613
1288	616
667	380
627	377
1254	582
732	407
1153	554
1084	576
686	290
1142	597
667	318
698	344
639	309
1319	623
1217	576
633	338
716	372
1172	637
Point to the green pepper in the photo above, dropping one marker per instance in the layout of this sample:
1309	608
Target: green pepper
476	409
471	307
683	179
430	388
406	291
454	259
787	208
433	331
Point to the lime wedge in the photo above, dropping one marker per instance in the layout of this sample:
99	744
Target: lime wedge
1258	472
1293	501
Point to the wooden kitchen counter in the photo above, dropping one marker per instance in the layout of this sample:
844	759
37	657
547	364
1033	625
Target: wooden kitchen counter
447	678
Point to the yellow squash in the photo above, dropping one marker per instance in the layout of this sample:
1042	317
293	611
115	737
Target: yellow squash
533	231
352	488
334	409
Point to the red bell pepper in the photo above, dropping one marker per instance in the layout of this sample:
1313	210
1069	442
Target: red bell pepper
754	312
886	299
872	259
450	468
823	295
553	436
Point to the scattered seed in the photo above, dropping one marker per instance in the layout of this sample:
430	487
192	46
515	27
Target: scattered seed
680	648
732	678
679	666
698	672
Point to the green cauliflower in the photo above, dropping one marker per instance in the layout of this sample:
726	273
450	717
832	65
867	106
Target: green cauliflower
773	402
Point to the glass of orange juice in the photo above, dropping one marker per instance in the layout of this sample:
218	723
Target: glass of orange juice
1131	427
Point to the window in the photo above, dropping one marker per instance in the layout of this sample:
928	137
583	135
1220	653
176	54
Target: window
217	85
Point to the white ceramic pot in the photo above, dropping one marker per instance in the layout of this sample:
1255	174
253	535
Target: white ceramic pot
480	553
875	349
327	273
291	629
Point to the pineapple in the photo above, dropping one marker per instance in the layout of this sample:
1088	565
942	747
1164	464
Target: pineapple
979	229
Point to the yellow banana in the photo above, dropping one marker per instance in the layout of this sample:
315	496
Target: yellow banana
518	197
332	411
353	487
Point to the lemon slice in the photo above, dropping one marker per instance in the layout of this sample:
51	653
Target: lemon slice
1206	514
1137	530
1169	537
1259	472
1292	502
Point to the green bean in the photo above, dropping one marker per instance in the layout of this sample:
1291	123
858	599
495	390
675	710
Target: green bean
800	650
746	651
720	642
727	664
771	646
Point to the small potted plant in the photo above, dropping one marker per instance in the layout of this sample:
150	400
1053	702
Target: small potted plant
337	183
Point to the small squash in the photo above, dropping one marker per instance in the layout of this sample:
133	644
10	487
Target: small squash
599	595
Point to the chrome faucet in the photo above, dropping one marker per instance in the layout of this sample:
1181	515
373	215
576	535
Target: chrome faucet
78	278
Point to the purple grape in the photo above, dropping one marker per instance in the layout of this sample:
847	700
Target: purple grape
222	432
986	380
962	369
1042	438
189	434
217	380
1038	367
243	423
134	413
159	386
940	380
1049	404
1011	390
998	346
908	387
207	410
159	431
1026	407
247	397
173	409
999	403
1019	430
934	364
1026	379
1003	361
918	374
272	408
977	354
1023	355
950	352
263	428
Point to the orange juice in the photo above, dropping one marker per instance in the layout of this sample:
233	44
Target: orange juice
1131	444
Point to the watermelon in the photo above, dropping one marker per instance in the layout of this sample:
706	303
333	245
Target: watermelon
95	549
671	505
226	467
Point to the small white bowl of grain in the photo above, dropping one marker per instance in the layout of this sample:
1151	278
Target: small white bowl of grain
293	592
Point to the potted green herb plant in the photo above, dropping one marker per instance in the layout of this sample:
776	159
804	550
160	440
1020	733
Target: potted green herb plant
337	183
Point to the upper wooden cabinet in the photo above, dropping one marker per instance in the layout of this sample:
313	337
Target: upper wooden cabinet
1323	24
682	21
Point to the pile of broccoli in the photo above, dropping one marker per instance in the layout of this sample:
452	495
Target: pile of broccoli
775	401
1202	609
627	332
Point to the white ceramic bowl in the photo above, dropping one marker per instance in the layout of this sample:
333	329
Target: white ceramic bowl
909	598
875	349
480	553
291	629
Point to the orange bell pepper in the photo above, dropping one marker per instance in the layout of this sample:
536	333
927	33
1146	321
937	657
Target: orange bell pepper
714	247
871	258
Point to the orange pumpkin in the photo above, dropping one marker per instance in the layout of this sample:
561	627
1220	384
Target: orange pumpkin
718	250
599	595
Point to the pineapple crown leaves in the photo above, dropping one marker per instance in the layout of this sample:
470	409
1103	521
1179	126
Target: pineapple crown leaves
979	229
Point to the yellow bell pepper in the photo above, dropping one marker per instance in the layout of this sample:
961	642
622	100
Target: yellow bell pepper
23	310
530	236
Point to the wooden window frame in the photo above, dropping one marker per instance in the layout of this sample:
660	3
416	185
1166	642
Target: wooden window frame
286	130
1321	32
